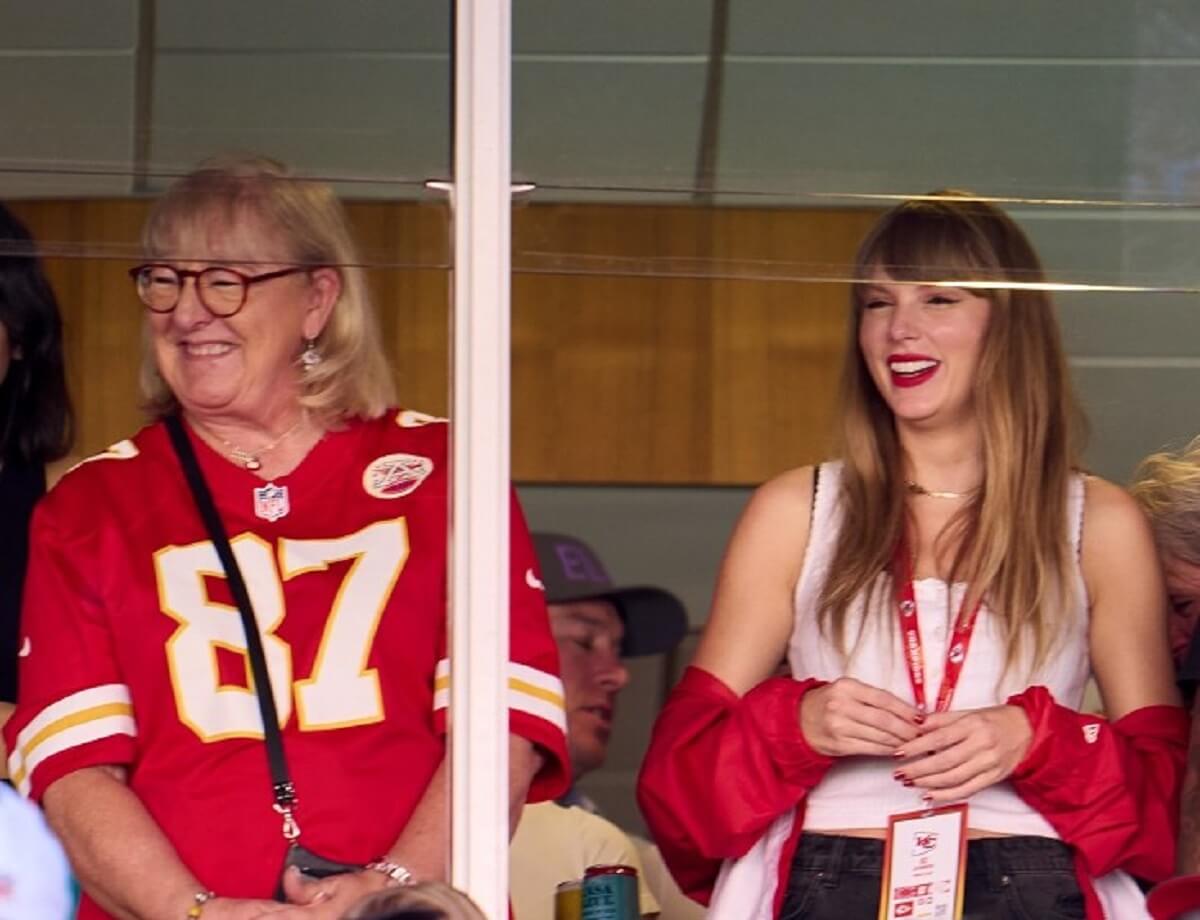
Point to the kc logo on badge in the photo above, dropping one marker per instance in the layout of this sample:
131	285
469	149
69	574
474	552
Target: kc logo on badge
395	475
924	842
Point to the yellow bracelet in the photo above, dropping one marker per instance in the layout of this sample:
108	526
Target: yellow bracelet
201	898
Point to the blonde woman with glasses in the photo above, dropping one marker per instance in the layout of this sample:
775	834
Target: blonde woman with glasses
237	674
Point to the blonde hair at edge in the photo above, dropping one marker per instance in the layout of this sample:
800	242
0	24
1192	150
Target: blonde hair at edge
1167	486
423	898
1013	546
259	201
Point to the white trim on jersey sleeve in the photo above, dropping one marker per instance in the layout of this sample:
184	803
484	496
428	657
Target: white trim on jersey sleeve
530	691
122	450
81	718
410	418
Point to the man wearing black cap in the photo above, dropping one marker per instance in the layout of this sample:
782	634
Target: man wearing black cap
596	624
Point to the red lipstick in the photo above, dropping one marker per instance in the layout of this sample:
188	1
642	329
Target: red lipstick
911	370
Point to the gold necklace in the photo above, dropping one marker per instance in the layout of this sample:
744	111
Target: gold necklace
252	460
917	489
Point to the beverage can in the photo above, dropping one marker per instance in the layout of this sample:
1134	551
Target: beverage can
610	893
568	900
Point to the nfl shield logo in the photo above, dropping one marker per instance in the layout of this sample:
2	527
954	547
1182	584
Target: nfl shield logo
271	502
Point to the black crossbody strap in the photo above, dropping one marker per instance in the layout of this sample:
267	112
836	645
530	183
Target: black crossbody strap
281	782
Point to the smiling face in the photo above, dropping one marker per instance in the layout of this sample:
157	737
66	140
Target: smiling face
921	345
241	367
589	634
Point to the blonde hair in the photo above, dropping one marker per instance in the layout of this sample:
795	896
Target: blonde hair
305	219
423	900
1167	486
1013	544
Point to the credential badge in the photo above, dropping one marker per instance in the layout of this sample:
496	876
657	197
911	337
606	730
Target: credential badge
271	502
395	475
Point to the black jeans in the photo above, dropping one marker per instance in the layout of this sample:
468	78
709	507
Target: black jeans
1008	878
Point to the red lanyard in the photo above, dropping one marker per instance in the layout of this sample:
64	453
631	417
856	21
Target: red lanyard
914	656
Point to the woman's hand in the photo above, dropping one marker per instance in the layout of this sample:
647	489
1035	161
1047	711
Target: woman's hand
326	898
849	717
959	753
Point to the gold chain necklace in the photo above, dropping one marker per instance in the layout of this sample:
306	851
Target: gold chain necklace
916	488
252	460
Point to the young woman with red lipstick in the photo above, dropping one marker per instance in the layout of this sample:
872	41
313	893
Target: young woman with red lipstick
941	591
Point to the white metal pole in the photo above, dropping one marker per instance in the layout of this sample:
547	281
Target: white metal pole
480	514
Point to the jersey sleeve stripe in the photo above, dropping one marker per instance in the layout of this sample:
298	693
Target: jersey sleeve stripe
76	702
516	685
95	704
67	737
538	707
529	690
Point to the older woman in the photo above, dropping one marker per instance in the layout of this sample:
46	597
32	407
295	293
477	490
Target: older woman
139	725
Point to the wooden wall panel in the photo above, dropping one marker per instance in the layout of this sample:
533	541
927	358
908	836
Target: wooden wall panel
638	356
670	378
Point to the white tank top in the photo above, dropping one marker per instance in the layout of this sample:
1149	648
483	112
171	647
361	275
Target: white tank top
860	792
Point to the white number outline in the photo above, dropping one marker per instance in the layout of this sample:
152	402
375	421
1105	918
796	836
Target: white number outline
379	552
348	613
199	704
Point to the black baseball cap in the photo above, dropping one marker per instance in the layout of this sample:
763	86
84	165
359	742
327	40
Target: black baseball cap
655	619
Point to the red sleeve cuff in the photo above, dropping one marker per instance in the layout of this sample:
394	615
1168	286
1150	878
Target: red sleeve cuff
774	708
115	750
554	777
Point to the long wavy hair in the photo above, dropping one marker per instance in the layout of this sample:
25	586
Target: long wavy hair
227	198
1013	548
36	421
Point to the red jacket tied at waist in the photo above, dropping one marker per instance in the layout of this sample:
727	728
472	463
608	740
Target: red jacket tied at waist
721	769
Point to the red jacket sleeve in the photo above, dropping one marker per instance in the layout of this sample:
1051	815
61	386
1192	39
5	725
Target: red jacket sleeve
1111	790
720	769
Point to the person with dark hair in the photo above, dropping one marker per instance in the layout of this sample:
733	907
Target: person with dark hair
941	591
598	625
35	421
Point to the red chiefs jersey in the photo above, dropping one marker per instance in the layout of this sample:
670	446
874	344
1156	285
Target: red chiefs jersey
134	652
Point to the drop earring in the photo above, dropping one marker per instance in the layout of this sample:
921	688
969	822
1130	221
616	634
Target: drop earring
310	357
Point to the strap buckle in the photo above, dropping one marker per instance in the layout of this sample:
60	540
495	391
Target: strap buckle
285	799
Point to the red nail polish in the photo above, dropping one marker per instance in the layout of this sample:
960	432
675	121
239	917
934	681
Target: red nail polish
899	774
919	718
907	782
899	755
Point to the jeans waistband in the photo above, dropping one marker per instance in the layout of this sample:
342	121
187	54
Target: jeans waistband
993	856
